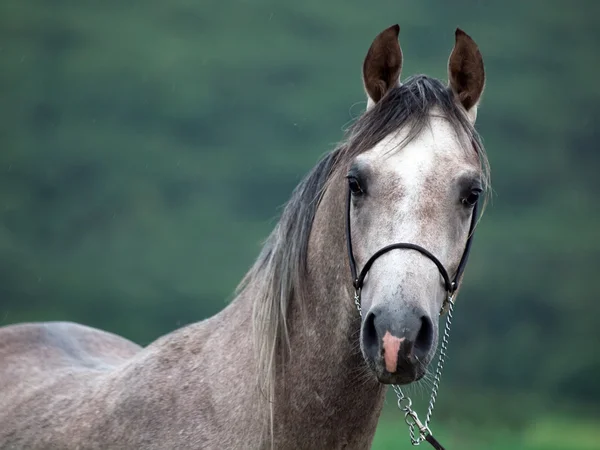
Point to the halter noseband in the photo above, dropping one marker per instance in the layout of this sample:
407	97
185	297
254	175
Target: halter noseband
449	285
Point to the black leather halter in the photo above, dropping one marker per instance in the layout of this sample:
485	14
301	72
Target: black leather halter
449	285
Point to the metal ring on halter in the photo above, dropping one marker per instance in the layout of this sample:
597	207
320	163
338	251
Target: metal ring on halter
407	406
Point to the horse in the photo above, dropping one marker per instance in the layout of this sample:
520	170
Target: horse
289	363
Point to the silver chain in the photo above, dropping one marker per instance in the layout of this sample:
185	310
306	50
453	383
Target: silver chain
357	301
405	403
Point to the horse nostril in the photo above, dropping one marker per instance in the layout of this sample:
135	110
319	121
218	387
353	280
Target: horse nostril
424	339
369	334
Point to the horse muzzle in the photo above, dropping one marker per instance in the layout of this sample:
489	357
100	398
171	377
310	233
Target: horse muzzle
397	345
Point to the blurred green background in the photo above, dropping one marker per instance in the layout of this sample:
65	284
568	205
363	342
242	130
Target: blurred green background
147	147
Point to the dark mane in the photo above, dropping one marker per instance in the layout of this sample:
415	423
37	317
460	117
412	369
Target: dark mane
279	270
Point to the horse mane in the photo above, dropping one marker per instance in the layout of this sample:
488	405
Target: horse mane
276	278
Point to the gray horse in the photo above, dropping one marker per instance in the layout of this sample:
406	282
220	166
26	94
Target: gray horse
289	364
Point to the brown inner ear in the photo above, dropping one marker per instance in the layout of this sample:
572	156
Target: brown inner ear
383	63
467	76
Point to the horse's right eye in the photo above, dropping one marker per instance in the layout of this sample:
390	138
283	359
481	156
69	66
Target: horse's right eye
355	186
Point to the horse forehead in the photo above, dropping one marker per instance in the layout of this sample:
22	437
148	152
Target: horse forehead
431	155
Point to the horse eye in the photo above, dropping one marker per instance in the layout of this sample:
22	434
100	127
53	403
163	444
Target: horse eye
471	199
355	186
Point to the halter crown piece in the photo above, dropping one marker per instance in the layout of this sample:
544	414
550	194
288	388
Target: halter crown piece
422	432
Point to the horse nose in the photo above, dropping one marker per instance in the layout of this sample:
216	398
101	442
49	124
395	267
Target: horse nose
399	340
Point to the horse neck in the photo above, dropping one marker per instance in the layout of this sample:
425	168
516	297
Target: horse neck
325	380
324	395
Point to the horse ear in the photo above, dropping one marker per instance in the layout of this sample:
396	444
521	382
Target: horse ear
466	73
382	65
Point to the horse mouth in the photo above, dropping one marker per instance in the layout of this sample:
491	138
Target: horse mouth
400	378
405	373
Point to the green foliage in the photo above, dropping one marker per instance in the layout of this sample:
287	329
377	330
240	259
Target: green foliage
147	146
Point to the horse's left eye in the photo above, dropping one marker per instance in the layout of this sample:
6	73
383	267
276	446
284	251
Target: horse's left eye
471	199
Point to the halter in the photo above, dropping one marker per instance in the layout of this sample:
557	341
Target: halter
358	279
450	286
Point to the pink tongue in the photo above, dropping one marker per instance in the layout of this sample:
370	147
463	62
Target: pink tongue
391	347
